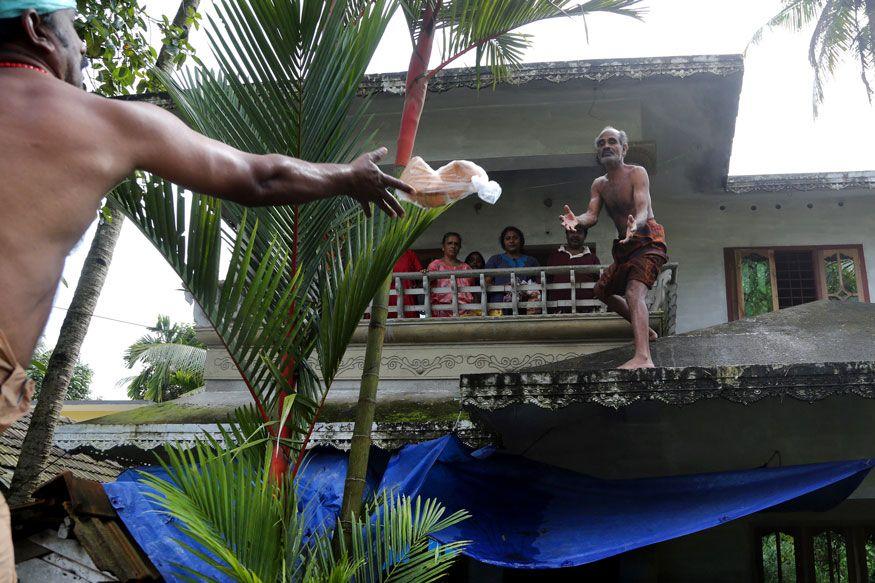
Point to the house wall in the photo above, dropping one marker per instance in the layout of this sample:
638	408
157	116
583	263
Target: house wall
697	229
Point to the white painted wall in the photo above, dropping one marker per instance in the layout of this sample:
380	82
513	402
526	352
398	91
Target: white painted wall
698	231
696	228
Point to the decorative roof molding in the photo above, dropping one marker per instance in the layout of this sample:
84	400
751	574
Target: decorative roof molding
598	70
805	182
560	71
387	436
745	384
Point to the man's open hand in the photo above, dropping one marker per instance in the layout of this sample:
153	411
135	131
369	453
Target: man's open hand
370	185
569	219
631	227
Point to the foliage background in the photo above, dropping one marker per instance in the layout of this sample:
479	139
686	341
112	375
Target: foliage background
80	384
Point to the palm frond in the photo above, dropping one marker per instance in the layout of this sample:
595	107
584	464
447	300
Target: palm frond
831	40
794	15
288	80
391	540
479	25
251	528
839	32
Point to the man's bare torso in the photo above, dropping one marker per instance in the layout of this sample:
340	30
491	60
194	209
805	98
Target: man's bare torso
56	163
617	193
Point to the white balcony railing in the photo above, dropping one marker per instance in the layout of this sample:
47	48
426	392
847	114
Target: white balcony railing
527	293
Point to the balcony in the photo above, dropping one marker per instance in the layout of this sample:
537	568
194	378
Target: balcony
442	341
425	354
530	292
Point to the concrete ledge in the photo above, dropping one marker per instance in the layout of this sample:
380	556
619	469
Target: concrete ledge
388	436
811	181
744	384
554	328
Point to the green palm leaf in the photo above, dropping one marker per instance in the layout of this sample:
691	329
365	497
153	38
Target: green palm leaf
299	277
163	362
253	529
841	30
487	26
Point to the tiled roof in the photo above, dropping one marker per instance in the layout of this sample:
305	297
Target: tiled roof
80	465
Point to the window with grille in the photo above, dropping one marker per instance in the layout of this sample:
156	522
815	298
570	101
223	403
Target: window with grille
816	554
765	279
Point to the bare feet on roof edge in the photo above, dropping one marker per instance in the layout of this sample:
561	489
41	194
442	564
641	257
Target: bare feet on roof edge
636	362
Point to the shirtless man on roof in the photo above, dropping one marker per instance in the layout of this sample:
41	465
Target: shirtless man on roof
62	149
639	250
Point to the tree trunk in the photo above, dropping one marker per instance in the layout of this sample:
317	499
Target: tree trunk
360	446
416	84
870	16
35	449
165	56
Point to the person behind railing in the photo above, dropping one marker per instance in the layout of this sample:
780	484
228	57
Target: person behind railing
450	245
513	242
574	252
475	260
408	262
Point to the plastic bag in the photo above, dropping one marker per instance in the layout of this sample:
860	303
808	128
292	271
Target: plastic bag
447	184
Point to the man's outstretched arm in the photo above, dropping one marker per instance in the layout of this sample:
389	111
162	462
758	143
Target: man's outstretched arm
160	143
571	221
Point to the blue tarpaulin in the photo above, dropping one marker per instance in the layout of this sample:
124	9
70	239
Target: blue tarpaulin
530	515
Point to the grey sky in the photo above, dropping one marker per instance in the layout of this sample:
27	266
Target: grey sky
775	133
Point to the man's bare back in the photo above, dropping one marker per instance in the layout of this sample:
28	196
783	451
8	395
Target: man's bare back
62	149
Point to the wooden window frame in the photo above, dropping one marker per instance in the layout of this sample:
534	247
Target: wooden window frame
733	283
803	538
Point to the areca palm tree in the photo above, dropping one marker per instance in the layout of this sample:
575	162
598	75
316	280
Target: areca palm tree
298	279
252	527
173	362
843	29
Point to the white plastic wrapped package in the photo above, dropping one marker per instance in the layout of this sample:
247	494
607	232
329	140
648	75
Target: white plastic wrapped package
447	184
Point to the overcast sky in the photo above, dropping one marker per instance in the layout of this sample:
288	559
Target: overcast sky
775	133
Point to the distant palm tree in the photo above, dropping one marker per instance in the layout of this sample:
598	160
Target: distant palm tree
173	358
843	29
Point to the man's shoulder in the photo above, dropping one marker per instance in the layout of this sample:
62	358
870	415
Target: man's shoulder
636	170
599	182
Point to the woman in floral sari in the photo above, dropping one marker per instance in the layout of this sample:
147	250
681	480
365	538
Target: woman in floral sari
450	245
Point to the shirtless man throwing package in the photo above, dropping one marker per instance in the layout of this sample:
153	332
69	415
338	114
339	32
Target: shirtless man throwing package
62	149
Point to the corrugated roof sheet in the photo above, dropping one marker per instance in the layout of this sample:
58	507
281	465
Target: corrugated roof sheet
96	525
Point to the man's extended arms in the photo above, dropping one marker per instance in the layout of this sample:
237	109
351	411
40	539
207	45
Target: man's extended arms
164	145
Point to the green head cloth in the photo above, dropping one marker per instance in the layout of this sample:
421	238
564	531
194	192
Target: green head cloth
15	8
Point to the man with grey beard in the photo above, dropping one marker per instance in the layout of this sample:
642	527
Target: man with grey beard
639	251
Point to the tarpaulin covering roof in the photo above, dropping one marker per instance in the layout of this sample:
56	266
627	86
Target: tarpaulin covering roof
529	515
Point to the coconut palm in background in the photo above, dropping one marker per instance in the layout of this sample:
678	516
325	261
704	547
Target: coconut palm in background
843	29
173	362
